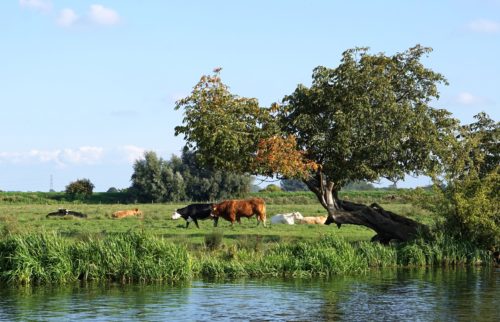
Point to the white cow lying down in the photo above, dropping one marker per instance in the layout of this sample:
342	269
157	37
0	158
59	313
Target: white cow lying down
288	219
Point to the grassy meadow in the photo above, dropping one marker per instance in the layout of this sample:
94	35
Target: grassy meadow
36	249
19	216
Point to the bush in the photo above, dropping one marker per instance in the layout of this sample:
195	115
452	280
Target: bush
271	188
80	188
213	240
471	207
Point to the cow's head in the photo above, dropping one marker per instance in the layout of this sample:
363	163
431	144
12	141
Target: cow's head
176	215
214	211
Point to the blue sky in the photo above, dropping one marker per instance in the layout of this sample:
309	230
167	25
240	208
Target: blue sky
87	86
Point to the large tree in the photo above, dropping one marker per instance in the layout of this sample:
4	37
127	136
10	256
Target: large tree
368	118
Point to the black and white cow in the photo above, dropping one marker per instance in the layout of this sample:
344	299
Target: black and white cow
194	212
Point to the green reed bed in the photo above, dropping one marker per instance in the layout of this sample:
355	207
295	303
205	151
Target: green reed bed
142	257
331	255
50	258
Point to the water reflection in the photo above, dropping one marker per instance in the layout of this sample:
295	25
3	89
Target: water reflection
402	295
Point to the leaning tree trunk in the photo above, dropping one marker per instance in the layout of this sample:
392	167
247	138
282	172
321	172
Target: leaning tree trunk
388	225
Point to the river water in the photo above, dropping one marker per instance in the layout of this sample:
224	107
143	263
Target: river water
465	294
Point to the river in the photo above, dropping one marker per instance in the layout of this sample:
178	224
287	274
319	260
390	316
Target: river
465	294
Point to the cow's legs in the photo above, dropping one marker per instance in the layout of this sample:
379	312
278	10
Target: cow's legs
196	223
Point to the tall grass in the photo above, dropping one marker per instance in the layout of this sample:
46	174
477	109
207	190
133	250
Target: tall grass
130	257
50	258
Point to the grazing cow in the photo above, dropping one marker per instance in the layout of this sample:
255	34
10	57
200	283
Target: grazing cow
126	213
233	210
194	212
319	220
286	218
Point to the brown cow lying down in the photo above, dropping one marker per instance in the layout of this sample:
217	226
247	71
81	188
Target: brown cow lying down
233	210
318	220
126	213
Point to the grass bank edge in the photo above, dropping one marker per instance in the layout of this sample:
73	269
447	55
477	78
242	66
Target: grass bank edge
48	258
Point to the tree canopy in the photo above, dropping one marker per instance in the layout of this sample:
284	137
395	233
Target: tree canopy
178	179
366	119
79	188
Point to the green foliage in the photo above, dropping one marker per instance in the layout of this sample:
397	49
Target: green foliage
468	195
155	179
81	188
271	188
204	183
214	239
224	129
359	185
370	117
471	207
293	185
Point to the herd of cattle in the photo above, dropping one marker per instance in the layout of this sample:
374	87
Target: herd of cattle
230	210
233	210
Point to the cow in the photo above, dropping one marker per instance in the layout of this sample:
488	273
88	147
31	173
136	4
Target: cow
194	212
318	220
286	218
64	212
126	213
233	210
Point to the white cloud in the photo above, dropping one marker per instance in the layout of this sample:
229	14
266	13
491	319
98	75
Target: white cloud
484	26
67	17
39	5
466	98
103	16
10	157
82	155
43	156
133	152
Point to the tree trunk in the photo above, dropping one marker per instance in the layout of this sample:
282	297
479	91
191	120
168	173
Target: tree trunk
388	225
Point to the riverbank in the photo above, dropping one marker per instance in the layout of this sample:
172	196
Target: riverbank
140	257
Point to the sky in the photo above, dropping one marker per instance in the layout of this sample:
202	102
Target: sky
87	86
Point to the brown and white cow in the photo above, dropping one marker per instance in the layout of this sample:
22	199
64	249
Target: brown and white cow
318	220
233	210
127	213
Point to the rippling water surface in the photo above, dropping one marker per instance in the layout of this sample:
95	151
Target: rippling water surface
396	295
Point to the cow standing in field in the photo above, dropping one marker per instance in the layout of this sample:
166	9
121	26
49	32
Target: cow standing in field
233	210
127	213
194	212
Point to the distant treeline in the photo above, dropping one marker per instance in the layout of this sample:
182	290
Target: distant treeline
275	197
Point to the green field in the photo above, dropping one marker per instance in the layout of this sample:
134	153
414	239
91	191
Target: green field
22	218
